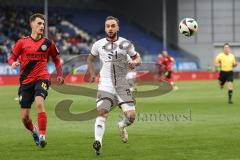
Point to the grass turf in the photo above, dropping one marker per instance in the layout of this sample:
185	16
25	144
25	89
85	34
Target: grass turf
193	123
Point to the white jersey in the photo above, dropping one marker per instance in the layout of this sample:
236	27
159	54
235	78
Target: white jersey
113	57
131	75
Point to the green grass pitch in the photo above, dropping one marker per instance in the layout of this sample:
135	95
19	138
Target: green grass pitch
205	127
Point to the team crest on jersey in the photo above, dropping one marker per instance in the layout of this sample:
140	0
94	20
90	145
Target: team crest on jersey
44	47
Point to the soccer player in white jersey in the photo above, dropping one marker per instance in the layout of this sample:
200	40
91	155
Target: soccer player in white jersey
113	88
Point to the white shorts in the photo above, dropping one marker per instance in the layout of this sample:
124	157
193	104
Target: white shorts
117	95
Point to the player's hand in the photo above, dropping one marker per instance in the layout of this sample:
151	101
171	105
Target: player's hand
92	78
132	64
15	64
60	80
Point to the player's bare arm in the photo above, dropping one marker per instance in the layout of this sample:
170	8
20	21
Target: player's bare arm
57	62
235	63
91	69
135	61
173	60
13	61
217	63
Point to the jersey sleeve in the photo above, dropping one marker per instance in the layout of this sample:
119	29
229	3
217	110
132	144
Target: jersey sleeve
54	53
94	50
131	51
15	53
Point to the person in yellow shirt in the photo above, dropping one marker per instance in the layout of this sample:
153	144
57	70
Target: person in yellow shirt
226	61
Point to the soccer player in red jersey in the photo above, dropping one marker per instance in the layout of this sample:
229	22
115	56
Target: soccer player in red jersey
32	54
165	68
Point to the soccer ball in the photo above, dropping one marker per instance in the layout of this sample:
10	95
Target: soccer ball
188	27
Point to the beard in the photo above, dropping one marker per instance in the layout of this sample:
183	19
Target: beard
113	36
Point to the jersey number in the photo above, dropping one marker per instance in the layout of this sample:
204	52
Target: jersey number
44	85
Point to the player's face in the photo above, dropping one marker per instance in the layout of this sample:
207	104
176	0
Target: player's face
165	53
38	26
226	49
111	28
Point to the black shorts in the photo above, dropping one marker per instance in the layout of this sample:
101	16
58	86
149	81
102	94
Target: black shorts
168	74
28	92
225	76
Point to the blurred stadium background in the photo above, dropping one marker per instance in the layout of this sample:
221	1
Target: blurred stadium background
211	133
152	27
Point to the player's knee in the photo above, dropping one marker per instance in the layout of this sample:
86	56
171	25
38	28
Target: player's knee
102	113
39	105
103	107
131	116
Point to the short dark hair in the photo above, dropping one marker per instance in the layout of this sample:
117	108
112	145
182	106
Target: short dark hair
226	44
112	18
36	15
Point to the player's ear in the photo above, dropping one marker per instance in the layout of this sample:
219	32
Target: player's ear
118	28
31	24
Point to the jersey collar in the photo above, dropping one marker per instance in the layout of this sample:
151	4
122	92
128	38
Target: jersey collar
112	41
35	39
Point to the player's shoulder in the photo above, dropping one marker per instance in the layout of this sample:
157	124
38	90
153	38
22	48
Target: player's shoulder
221	54
47	40
159	56
100	41
121	39
22	39
232	56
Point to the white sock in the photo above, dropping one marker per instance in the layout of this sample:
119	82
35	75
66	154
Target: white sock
124	123
99	128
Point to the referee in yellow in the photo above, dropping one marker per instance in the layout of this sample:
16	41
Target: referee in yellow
226	61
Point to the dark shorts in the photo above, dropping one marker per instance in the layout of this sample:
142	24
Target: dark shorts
28	92
225	76
168	74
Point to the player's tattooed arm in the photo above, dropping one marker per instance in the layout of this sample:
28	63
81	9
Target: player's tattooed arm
91	69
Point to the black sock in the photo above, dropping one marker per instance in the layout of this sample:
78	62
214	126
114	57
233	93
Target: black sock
230	92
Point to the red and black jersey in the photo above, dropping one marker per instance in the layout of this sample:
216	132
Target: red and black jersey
33	56
166	62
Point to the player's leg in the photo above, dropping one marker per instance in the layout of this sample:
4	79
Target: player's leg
230	92
42	120
41	93
129	115
131	83
222	79
25	101
230	87
169	78
27	122
103	107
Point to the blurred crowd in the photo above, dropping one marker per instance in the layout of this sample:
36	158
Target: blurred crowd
69	39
